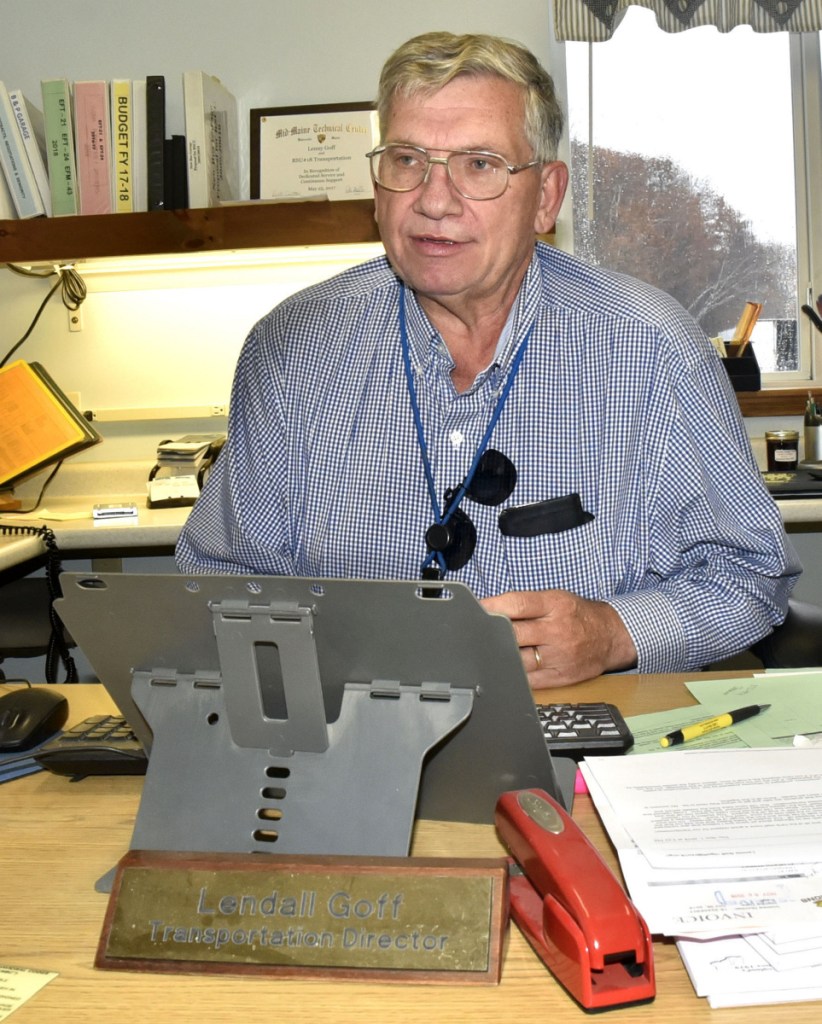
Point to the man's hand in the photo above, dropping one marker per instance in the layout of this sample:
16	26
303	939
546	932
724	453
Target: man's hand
564	638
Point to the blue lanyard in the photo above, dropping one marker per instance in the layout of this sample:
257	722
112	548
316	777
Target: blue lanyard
429	476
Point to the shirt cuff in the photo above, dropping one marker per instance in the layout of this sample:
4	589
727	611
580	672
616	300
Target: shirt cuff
654	626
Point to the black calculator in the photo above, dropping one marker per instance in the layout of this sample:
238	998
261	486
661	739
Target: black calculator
100	745
584	730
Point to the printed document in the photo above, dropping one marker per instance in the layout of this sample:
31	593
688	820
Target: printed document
723	846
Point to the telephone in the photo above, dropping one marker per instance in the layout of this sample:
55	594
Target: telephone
571	908
181	469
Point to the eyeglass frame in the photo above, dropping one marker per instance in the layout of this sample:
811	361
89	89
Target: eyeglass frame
431	160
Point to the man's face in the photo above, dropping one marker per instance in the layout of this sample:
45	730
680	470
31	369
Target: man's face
457	251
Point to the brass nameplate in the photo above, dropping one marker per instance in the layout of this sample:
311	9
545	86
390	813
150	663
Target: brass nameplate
397	918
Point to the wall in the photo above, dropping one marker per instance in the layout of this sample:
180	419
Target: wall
153	339
269	52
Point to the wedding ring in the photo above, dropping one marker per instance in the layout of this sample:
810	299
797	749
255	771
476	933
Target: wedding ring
537	656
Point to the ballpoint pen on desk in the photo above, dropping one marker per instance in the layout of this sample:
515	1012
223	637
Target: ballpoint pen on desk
692	732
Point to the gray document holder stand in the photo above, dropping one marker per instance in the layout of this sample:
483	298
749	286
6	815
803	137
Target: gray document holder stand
288	715
223	776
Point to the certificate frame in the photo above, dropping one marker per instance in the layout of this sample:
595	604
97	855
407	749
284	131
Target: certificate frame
312	152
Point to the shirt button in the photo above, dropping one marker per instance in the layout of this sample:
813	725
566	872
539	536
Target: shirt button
456	437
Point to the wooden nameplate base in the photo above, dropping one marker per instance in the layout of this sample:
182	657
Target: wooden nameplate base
396	919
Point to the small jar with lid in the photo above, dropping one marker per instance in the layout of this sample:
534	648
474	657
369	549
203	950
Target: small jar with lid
783	450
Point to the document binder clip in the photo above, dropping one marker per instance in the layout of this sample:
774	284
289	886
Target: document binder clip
571	908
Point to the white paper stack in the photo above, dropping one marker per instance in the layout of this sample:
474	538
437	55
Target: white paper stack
722	850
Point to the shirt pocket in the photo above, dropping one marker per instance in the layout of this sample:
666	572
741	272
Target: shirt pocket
570	560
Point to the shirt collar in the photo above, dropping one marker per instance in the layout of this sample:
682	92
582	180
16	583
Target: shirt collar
425	342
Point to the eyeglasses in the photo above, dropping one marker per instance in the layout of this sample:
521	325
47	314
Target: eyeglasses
473	173
451	542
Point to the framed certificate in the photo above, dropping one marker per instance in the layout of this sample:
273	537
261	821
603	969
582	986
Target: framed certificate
312	152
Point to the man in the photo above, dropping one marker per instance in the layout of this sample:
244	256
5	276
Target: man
481	408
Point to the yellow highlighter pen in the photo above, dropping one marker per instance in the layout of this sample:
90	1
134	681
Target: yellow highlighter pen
693	732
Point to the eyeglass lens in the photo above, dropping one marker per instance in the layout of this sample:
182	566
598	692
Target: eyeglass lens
475	175
492	483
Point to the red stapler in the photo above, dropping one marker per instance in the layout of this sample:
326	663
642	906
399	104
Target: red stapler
571	908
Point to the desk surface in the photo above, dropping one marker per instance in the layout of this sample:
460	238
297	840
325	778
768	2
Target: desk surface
151	528
74	492
159	528
59	837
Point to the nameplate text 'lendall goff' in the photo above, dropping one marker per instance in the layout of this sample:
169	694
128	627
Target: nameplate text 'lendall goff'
391	918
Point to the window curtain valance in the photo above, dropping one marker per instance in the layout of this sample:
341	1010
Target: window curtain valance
597	20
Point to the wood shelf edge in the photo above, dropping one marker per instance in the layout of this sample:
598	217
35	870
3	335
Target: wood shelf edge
774	401
245	226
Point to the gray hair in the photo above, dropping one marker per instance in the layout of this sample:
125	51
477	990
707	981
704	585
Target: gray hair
426	63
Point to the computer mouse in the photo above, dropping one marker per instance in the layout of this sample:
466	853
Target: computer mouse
30	715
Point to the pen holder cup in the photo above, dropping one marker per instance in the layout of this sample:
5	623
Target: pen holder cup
744	371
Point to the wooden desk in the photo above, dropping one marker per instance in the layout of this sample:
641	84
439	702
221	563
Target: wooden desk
59	837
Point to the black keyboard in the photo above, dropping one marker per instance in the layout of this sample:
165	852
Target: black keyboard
105	745
100	745
584	730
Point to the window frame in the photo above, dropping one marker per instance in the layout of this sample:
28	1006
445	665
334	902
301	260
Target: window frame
806	91
784	393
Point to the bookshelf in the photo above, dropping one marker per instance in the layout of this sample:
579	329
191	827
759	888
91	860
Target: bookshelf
245	226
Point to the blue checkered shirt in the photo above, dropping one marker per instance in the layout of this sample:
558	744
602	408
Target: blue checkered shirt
620	398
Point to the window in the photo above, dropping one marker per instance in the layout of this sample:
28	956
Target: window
690	154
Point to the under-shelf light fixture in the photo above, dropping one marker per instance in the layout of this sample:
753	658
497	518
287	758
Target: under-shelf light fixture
228	259
240	266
